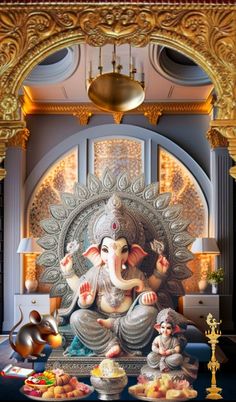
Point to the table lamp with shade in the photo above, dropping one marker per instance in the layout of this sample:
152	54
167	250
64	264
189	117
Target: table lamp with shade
205	248
29	247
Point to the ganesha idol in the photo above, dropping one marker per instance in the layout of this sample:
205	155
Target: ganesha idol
114	304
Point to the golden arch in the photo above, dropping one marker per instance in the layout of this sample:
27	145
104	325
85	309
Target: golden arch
204	32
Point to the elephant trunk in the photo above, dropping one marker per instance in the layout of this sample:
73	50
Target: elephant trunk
114	265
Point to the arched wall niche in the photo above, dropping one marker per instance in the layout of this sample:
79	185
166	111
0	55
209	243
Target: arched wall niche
204	32
43	189
151	138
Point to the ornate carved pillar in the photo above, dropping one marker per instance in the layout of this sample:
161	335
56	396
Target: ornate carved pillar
13	221
222	203
8	129
227	128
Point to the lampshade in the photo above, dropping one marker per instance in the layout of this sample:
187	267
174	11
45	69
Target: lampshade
205	245
29	245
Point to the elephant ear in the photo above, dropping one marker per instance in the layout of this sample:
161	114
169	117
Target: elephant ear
158	327
136	254
93	254
176	329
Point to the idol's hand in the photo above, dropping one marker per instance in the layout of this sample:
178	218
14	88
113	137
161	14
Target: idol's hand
162	264
162	351
168	352
66	264
149	298
85	294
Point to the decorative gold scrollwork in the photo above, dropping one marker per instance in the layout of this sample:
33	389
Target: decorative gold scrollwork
226	106
9	106
122	24
203	32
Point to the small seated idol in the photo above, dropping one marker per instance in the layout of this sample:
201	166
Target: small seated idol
167	353
117	303
166	347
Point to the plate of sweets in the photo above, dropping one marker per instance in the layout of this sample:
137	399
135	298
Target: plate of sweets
108	368
52	385
162	389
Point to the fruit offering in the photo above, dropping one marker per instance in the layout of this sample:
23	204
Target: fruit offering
41	380
108	368
54	340
55	384
163	387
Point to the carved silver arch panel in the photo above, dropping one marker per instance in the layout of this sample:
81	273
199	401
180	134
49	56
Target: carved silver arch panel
69	221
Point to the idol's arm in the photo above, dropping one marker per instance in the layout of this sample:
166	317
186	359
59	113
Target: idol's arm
68	272
160	273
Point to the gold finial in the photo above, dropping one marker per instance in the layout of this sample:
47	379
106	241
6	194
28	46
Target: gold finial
213	334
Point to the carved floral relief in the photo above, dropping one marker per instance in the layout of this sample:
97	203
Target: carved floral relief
204	32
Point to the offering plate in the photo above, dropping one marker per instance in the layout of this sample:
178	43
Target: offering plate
109	389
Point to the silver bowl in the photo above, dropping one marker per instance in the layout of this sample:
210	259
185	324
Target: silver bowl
109	389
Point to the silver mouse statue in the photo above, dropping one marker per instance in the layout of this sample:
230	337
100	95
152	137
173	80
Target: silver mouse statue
32	337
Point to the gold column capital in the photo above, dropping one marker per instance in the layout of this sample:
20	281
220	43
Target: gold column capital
9	128
20	139
226	127
215	139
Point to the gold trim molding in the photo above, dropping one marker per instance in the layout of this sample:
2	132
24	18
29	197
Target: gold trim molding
29	32
83	111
